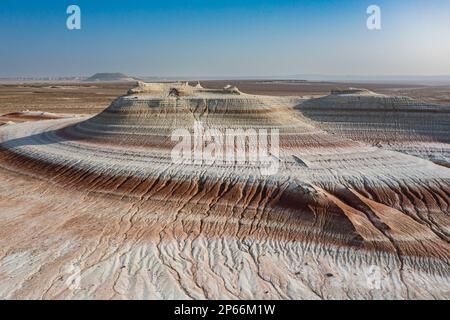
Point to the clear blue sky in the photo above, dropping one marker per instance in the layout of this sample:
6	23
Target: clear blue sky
224	38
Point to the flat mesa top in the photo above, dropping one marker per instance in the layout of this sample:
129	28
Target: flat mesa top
178	89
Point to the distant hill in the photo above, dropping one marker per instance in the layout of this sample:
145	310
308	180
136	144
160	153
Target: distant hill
113	76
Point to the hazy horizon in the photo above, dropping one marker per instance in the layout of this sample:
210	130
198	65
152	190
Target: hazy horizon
225	39
425	80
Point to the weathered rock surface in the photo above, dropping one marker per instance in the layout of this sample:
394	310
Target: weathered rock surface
98	209
394	123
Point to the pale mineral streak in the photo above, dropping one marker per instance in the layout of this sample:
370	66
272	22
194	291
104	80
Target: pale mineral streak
95	207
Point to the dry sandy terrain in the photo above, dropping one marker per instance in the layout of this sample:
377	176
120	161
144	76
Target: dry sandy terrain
91	98
95	206
78	98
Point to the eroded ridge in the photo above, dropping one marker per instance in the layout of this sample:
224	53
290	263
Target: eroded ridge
102	196
391	122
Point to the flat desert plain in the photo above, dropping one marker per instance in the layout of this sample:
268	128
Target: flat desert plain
93	205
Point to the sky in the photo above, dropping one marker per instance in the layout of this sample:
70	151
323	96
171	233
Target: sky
217	38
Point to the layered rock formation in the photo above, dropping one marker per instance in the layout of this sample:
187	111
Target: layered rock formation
395	123
98	208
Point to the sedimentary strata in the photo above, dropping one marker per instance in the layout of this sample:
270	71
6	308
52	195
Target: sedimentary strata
97	208
389	122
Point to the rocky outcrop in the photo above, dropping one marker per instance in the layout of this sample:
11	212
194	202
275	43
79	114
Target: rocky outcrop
389	122
97	208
